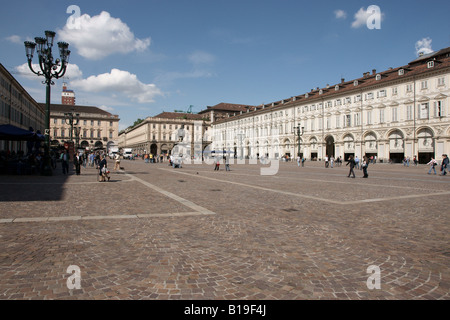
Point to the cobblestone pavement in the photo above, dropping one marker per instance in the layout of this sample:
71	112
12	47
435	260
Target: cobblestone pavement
154	232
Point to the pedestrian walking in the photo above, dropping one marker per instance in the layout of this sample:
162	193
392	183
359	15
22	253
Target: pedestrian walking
356	162
433	163
91	159
216	168
77	161
103	169
227	163
298	161
351	162
326	161
365	165
444	165
65	161
117	161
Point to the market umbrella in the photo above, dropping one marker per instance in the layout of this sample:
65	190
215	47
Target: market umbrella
13	133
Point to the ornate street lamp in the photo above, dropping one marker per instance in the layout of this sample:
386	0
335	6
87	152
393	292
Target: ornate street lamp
77	131
299	131
72	119
49	68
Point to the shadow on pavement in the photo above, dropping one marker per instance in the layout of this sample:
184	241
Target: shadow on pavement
34	187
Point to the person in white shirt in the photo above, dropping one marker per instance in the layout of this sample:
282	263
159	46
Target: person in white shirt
117	161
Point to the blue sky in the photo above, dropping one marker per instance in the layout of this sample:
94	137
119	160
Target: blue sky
139	58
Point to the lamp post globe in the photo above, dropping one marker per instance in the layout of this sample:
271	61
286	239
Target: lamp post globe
49	69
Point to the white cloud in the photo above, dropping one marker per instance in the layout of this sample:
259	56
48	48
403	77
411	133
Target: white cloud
424	46
106	108
201	57
14	39
340	14
360	18
363	15
99	36
116	82
73	71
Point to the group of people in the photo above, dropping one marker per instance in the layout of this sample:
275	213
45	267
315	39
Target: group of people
407	160
444	164
217	162
95	159
153	158
329	161
353	163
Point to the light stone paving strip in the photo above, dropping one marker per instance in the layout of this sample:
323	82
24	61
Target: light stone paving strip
316	198
185	202
198	210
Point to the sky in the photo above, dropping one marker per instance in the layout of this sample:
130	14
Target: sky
139	58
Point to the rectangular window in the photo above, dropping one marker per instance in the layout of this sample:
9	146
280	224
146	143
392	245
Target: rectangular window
369	117
381	115
424	84
347	120
394	114
337	122
409	88
409	112
439	109
394	91
424	110
441	81
382	93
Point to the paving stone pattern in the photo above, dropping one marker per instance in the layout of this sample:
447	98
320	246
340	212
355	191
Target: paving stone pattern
154	232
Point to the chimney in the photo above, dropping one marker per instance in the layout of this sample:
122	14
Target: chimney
374	71
342	80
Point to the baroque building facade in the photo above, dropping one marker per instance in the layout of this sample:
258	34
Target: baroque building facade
160	134
19	109
401	112
96	129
